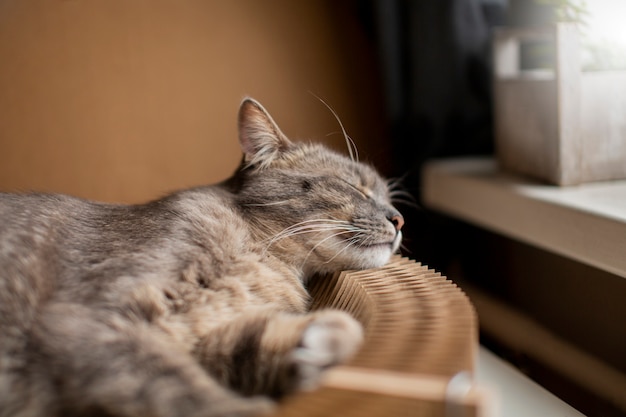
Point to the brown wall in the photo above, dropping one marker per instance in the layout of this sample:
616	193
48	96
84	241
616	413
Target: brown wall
125	100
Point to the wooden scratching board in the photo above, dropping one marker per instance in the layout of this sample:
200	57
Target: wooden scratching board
419	353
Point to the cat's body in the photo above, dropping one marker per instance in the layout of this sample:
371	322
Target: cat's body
194	304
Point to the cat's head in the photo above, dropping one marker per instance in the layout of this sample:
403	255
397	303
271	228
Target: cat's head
316	208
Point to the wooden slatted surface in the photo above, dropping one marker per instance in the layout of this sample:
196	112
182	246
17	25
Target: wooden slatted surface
420	333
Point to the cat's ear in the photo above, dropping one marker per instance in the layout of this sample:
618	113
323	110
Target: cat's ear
259	136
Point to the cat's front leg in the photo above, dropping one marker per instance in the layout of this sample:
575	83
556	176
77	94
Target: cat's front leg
276	353
331	337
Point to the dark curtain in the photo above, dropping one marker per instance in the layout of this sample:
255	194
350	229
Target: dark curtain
434	59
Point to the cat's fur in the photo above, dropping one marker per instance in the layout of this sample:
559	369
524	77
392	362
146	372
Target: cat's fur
194	304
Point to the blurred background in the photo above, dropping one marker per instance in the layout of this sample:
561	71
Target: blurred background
124	101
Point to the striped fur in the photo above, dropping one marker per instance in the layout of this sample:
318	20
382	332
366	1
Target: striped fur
190	305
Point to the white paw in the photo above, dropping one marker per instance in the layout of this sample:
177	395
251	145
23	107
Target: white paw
331	338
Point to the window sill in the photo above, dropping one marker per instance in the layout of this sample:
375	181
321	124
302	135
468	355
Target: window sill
586	223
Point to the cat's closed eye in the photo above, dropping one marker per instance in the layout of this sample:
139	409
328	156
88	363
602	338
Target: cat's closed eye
364	192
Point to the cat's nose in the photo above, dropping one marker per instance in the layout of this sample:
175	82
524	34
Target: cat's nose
398	221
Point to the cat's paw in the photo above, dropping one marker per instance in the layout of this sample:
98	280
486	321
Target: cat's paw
331	338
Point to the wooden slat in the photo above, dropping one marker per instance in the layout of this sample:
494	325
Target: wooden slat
420	332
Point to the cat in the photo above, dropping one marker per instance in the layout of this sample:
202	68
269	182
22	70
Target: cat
194	304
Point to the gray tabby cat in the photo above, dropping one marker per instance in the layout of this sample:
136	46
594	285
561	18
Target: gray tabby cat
194	304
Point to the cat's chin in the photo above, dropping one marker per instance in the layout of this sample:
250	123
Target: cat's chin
377	255
368	257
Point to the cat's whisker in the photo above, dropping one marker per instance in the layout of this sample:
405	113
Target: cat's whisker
303	231
312	226
366	241
273	203
394	183
321	242
356	240
304	225
351	243
404	202
357	233
319	220
405	248
354	153
396	188
352	149
359	237
316	222
400	193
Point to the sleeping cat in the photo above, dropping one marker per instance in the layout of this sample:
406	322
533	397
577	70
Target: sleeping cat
194	304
